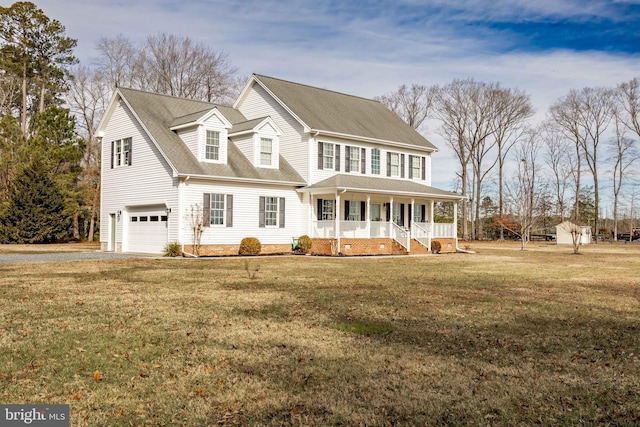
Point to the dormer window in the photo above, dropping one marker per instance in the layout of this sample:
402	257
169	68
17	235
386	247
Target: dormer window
212	145
266	152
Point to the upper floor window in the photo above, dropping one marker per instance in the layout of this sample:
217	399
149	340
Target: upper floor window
375	161
354	159
395	164
266	151
121	152
415	164
328	156
212	145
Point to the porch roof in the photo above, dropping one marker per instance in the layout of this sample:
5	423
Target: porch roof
387	186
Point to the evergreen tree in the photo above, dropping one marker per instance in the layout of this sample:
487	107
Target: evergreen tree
35	209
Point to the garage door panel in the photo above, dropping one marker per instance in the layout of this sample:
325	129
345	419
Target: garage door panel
147	230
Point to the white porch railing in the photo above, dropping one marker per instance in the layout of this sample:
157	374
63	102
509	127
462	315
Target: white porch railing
401	235
364	230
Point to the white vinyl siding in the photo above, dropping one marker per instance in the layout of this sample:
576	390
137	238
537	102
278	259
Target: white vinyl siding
152	175
246	217
292	144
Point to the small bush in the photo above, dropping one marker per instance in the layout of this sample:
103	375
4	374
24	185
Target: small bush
305	243
436	246
250	246
172	249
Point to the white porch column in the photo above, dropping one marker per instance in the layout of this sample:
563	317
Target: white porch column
311	214
368	216
431	225
455	222
412	212
337	219
389	227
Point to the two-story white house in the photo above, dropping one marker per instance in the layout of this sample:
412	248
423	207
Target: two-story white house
286	160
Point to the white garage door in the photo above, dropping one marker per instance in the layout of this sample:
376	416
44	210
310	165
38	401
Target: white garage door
147	229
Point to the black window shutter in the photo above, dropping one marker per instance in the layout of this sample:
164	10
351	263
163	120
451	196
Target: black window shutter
401	214
281	206
130	150
410	166
320	155
423	213
229	210
112	152
337	158
206	210
261	212
401	165
387	208
363	157
346	210
319	216
424	169
347	158
388	165
363	213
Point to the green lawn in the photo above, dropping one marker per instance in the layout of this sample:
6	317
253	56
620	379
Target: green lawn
500	337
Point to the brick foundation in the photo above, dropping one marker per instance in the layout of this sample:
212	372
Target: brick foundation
229	250
329	247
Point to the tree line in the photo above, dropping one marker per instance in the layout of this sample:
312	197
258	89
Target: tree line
51	106
535	170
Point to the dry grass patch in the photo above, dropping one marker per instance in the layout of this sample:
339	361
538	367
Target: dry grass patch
503	337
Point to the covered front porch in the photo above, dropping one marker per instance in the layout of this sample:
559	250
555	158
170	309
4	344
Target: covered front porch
400	221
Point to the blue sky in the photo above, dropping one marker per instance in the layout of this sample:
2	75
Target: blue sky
368	47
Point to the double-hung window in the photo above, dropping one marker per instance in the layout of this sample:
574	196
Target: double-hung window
266	152
375	161
271	212
326	210
212	145
217	210
416	167
394	164
354	159
328	156
121	152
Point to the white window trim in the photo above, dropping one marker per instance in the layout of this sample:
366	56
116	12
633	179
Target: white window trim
224	210
202	143
118	149
277	212
275	150
358	160
325	156
377	163
391	165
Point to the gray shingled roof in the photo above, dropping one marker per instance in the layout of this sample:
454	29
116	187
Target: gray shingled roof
368	184
159	112
335	112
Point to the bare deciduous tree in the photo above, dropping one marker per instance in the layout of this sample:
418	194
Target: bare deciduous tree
623	155
171	65
562	165
513	108
88	95
524	193
412	104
